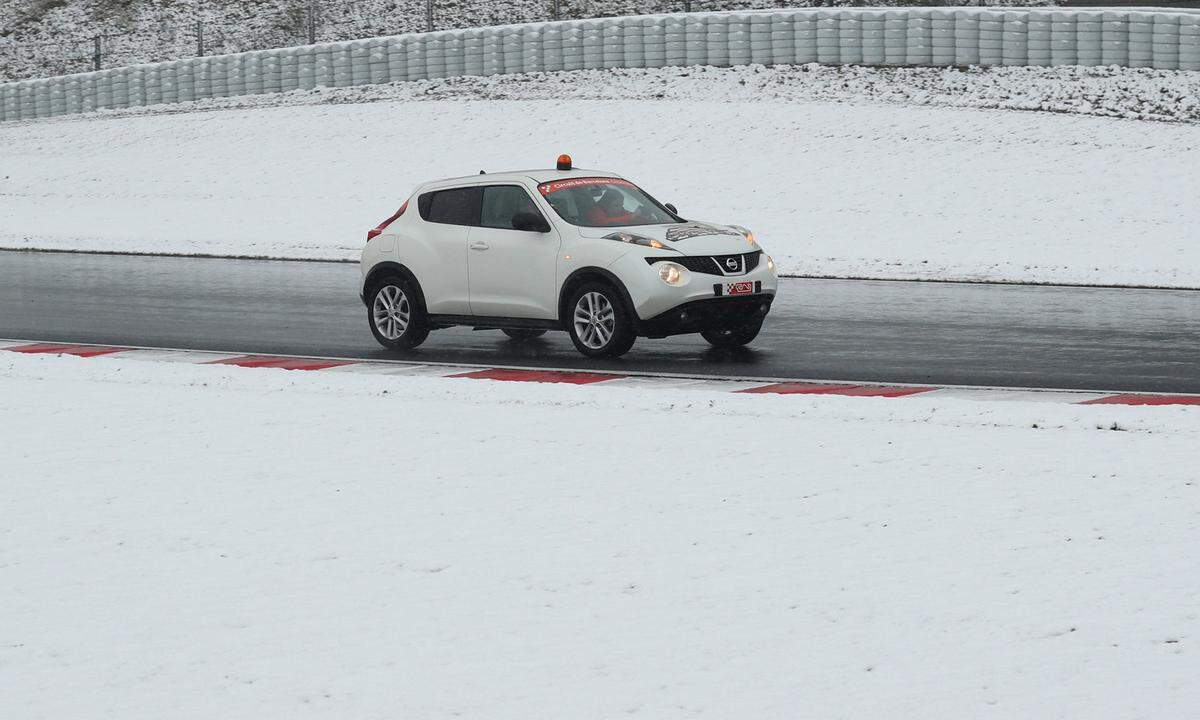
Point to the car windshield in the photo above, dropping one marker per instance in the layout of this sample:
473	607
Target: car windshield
604	202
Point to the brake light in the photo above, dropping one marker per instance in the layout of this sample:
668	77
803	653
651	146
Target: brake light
372	234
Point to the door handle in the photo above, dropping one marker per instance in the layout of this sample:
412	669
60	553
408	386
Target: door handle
478	245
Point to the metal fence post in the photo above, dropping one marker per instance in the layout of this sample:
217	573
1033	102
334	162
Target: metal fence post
96	56
200	39
687	5
311	22
429	15
557	9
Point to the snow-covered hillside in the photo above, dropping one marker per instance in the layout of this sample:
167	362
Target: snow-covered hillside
53	37
831	185
215	542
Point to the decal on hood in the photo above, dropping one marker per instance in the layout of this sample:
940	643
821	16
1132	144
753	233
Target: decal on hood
675	233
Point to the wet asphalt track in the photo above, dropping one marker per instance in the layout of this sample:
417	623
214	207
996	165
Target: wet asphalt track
1005	335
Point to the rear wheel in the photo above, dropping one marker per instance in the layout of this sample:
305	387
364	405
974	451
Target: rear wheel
732	337
396	317
521	334
600	325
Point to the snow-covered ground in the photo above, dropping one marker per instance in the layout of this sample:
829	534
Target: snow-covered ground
207	541
832	182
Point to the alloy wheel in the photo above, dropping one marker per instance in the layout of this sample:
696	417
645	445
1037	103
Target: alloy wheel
595	320
391	312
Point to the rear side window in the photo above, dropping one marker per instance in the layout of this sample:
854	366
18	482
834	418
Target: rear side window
502	202
459	206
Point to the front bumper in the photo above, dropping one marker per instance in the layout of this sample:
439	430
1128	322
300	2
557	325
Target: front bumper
708	314
652	298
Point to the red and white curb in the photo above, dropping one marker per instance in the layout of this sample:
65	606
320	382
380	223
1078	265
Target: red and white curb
652	381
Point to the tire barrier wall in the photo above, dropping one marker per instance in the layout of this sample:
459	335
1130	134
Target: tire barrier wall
897	37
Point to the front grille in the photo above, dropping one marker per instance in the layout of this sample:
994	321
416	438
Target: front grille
731	264
714	264
698	264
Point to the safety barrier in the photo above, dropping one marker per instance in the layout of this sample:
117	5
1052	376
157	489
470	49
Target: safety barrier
899	36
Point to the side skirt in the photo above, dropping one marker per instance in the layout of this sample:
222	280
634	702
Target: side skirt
493	323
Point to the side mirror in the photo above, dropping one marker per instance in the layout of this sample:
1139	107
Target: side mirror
530	222
671	207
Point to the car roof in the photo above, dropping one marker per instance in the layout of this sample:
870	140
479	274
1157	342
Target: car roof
538	176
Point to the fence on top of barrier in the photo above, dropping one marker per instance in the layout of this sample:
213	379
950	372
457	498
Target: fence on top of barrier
896	37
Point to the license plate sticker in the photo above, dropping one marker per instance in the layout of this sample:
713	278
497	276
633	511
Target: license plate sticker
739	288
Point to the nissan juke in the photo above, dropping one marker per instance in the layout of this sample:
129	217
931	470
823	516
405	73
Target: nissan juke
582	251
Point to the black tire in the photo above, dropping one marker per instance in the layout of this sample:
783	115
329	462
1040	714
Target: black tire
379	312
522	334
732	337
615	338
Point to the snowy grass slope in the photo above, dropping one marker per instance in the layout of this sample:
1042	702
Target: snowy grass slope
54	37
220	542
833	183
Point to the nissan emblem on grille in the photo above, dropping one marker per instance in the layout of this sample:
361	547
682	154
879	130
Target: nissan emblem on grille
731	263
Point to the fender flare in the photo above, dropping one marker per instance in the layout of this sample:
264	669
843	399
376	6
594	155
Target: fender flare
585	274
393	268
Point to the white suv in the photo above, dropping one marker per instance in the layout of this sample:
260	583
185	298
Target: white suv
582	251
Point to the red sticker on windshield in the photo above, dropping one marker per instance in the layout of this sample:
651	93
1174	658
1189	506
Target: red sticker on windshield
556	185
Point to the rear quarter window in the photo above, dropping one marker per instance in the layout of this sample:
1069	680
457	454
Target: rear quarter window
456	206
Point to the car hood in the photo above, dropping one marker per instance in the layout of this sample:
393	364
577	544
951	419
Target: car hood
688	238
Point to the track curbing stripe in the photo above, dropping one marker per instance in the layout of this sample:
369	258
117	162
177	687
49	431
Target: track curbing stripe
279	362
569	377
1136	399
721	384
85	351
1062	397
848	390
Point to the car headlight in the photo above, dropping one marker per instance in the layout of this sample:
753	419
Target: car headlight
673	274
745	233
635	240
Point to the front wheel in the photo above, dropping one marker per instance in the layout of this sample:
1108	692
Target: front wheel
396	317
732	337
600	325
